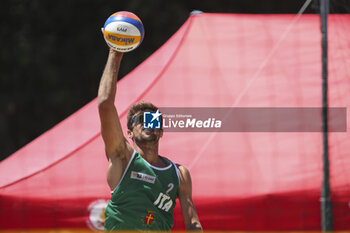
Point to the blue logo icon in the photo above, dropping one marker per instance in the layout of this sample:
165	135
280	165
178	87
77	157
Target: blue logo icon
152	120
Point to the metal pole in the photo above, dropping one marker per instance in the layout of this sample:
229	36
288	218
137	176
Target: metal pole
326	205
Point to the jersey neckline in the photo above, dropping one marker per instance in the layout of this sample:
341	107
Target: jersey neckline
158	168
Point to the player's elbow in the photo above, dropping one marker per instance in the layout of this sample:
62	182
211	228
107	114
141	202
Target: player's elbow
195	226
105	104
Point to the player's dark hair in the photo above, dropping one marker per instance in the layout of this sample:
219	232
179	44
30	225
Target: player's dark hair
137	108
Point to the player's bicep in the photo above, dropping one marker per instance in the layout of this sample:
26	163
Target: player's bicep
111	131
189	213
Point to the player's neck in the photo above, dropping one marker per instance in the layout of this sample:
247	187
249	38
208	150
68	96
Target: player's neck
149	153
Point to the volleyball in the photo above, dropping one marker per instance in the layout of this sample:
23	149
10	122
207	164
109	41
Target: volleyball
123	31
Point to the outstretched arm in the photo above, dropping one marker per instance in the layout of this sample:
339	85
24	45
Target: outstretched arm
185	197
115	142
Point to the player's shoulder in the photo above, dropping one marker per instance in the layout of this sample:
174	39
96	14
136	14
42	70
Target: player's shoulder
184	173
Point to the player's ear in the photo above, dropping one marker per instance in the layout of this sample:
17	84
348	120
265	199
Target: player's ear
130	134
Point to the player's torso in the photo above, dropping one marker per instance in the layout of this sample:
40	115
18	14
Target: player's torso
145	197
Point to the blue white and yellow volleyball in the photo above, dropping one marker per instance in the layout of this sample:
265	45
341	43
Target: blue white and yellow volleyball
123	31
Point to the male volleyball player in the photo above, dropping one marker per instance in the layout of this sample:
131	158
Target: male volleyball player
144	184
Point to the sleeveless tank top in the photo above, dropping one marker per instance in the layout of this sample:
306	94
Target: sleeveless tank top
145	197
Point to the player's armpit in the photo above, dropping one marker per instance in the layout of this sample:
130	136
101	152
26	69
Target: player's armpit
116	144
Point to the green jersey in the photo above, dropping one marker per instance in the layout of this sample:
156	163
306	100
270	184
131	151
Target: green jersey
145	197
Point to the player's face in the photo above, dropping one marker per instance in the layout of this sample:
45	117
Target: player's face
141	134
